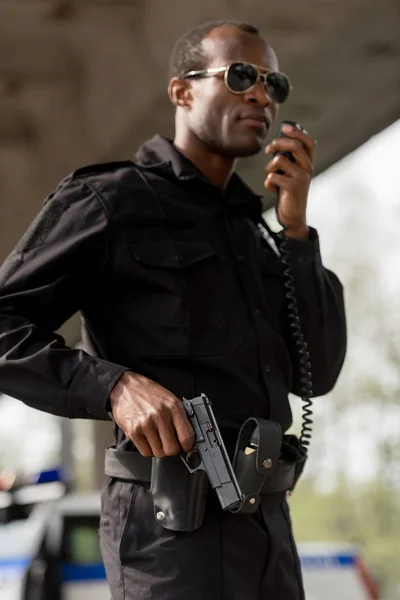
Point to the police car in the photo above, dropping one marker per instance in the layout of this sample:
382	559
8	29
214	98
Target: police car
50	551
24	519
72	539
333	571
49	548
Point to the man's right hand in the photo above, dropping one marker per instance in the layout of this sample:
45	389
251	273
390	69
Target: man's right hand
151	416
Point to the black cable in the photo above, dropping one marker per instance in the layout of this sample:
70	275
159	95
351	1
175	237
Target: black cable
295	328
300	342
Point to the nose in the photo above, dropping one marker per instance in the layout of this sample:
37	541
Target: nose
259	95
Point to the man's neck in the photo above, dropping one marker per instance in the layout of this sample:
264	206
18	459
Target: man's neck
216	168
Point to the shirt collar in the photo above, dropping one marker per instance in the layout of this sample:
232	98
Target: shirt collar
159	153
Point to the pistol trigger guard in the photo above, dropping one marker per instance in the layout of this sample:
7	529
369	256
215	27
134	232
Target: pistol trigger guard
183	459
187	457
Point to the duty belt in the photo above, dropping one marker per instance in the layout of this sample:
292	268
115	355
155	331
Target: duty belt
132	466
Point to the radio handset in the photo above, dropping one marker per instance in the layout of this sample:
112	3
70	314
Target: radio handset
282	124
288	155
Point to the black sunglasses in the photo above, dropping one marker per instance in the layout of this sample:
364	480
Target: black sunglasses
240	77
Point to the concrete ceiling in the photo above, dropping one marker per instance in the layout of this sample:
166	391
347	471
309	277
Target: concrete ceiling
84	81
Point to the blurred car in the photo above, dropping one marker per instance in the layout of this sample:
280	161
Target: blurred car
333	571
24	522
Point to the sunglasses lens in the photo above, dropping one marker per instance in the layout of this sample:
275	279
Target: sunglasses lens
278	87
241	76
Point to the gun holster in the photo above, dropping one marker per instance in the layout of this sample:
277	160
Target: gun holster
293	451
256	458
179	496
264	462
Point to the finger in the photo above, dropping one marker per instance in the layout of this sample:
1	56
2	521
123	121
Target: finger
274	181
282	163
298	133
142	445
155	443
296	148
145	437
183	428
170	443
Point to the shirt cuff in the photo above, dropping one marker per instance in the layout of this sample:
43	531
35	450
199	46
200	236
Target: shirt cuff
303	252
89	392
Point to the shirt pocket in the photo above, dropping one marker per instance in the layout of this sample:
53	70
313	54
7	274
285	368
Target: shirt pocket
173	284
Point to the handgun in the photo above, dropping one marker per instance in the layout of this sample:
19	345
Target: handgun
211	456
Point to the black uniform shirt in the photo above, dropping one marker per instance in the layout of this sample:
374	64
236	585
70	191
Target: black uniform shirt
174	282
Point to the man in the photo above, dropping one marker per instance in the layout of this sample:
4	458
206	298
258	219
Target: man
181	296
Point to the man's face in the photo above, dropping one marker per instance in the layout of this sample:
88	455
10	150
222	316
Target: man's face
233	125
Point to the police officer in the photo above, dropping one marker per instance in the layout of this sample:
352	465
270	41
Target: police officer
180	295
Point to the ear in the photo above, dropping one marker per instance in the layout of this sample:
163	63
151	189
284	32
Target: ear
180	92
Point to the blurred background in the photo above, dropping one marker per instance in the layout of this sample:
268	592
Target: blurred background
84	81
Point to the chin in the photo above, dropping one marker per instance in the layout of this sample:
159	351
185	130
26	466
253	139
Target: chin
248	147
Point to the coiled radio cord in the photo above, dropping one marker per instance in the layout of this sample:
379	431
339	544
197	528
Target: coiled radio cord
296	331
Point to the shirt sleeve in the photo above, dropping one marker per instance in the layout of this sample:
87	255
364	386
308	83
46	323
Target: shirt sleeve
42	283
320	300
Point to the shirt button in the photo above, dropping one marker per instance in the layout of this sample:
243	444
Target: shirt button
257	312
267	368
178	258
240	257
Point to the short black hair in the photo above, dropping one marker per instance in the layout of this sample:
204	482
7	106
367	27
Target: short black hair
188	54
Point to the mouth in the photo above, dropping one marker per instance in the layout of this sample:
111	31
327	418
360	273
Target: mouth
256	120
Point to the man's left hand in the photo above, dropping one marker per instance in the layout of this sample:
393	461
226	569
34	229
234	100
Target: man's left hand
293	183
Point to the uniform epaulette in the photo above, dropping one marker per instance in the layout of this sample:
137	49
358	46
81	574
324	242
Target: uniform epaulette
101	168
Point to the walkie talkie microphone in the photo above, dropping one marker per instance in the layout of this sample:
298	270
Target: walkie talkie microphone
288	155
281	133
